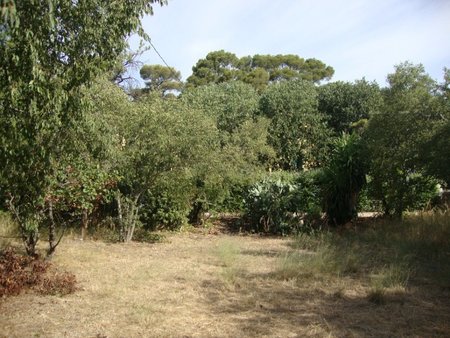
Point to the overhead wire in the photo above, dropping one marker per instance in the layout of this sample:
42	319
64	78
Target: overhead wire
175	75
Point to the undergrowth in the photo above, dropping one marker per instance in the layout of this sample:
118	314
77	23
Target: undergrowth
385	254
19	273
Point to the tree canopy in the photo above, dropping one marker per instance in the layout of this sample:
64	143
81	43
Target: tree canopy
346	103
161	79
298	131
258	70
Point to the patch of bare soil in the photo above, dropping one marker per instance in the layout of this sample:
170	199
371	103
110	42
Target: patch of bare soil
197	285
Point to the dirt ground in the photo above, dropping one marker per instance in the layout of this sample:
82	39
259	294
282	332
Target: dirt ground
197	285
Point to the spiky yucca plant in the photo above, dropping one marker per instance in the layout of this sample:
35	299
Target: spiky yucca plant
342	179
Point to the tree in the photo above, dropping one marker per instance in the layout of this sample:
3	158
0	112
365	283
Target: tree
290	67
50	51
258	70
217	67
161	145
243	152
298	131
346	103
409	116
230	104
161	79
435	154
129	60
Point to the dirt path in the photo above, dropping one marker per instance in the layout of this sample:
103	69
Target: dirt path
197	285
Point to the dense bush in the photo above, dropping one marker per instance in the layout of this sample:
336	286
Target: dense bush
414	191
282	203
164	210
366	203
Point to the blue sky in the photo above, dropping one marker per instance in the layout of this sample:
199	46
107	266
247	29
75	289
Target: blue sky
358	38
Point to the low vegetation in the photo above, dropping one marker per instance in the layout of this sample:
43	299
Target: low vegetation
328	283
19	273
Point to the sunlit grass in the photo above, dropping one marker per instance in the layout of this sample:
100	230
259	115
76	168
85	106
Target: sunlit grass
385	254
8	230
227	253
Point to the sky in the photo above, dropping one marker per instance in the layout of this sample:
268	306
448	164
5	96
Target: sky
358	38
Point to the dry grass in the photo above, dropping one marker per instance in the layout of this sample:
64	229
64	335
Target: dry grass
8	230
200	285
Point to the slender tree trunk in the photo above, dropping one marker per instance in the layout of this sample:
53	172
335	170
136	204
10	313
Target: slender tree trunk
128	212
120	215
132	218
51	230
30	237
84	224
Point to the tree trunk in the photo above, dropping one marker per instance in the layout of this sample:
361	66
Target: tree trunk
128	212
120	216
51	230
194	215
30	238
84	224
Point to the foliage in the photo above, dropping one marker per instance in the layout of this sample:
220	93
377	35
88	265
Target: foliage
243	151
342	179
217	67
414	111
283	203
161	79
165	149
145	236
366	202
128	60
230	104
297	132
435	154
8	230
290	67
167	207
258	70
50	51
346	103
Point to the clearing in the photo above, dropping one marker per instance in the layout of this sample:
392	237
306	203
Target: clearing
204	285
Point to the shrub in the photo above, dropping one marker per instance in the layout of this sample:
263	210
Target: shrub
164	209
404	192
282	202
366	202
342	179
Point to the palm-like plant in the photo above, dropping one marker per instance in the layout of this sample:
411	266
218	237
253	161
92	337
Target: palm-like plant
342	179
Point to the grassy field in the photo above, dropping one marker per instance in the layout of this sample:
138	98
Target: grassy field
379	279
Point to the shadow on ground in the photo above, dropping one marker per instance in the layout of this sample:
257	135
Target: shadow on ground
261	305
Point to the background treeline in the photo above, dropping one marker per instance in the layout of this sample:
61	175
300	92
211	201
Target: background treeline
261	135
